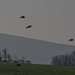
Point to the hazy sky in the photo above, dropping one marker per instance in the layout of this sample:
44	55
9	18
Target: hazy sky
52	20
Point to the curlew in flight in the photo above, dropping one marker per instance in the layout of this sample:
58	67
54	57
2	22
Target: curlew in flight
29	26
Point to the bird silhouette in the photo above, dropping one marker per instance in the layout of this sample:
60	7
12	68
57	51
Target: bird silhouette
71	39
22	17
29	26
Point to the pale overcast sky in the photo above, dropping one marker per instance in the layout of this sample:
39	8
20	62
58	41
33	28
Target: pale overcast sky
52	20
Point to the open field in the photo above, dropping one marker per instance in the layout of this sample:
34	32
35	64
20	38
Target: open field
34	69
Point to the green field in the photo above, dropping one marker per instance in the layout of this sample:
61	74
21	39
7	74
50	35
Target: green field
32	69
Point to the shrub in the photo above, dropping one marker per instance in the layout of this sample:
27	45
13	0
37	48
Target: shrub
18	65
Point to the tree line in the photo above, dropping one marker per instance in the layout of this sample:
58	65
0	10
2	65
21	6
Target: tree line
64	60
6	57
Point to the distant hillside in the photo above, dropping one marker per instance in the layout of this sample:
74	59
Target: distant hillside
39	52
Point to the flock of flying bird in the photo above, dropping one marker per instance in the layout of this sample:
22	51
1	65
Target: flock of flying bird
29	26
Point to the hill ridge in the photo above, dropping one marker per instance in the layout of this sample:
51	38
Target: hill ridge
38	51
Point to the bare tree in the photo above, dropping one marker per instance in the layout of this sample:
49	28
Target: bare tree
16	58
9	57
63	60
4	54
0	56
23	59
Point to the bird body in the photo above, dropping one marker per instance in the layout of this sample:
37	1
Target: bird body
71	39
29	26
22	17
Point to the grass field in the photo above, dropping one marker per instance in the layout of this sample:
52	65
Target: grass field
32	69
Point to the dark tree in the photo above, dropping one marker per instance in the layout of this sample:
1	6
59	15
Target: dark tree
4	54
9	57
64	60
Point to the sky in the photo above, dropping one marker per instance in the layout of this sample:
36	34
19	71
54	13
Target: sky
51	20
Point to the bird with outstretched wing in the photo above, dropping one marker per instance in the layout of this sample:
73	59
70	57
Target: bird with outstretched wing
29	26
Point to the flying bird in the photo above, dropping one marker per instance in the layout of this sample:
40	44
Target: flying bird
29	26
71	39
22	17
